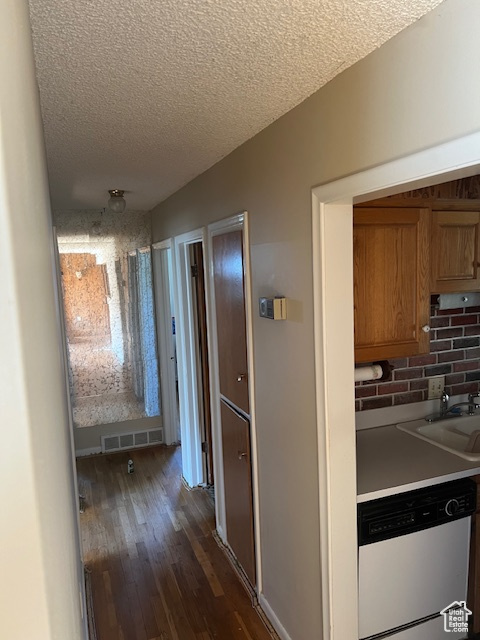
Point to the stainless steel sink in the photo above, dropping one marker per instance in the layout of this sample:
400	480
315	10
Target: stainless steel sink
452	434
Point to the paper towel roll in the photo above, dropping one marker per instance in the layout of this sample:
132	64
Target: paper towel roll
372	372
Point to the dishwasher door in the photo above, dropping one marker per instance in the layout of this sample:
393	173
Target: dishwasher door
429	630
412	576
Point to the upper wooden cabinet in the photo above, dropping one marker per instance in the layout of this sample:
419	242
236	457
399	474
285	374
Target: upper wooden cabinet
454	250
391	282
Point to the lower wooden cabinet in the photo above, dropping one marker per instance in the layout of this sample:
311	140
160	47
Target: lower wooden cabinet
237	470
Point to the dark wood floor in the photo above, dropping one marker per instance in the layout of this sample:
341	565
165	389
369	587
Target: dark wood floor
156	571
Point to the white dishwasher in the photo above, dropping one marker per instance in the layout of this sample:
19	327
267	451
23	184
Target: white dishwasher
413	561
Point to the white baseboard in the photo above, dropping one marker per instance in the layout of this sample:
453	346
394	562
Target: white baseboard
221	534
275	622
79	453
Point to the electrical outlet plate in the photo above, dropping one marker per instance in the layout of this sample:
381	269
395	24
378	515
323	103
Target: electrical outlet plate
436	385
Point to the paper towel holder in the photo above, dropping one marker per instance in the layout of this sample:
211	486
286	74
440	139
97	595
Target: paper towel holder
385	366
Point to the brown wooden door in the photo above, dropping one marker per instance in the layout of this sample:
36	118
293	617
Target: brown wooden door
455	251
391	282
238	487
230	312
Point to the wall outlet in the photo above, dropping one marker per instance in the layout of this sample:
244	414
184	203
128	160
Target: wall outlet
436	385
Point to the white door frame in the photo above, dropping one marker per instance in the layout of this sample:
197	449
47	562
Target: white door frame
189	402
233	223
332	218
163	283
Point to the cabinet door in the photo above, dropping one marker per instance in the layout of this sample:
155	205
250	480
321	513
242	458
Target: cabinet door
227	257
455	251
237	471
391	282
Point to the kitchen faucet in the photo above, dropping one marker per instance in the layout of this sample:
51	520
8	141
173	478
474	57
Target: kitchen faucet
444	403
445	411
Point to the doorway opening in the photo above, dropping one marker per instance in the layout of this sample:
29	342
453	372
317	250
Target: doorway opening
109	316
191	320
197	269
163	286
332	210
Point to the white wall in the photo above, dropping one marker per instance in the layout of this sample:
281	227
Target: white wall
40	561
418	90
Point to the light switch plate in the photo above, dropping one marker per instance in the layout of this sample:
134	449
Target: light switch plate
273	308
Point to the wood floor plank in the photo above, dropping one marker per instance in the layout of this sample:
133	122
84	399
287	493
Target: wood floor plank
136	622
156	570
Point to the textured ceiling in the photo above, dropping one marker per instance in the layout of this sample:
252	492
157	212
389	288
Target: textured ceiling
144	95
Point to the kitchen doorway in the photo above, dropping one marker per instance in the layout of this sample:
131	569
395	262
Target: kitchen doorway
332	220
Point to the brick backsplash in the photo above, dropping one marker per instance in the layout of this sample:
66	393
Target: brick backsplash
454	352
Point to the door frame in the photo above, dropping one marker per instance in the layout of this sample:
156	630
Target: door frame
332	226
189	402
200	302
236	222
162	287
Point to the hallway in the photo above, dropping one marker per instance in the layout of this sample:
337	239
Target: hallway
156	571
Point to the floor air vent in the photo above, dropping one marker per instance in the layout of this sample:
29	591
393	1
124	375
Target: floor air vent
132	440
141	439
126	441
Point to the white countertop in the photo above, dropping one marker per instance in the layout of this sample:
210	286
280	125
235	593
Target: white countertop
390	461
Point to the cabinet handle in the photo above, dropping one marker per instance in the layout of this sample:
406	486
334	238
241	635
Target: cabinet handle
241	377
242	455
426	328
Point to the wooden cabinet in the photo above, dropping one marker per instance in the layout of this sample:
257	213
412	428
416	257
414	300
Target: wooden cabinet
455	259
227	256
391	282
238	487
228	272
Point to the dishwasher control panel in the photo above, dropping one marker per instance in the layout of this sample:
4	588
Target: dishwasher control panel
415	510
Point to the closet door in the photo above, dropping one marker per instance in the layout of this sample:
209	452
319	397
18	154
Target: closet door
228	271
238	487
230	310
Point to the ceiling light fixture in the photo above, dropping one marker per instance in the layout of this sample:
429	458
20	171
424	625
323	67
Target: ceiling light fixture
116	202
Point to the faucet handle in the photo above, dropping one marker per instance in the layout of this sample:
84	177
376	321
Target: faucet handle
473	396
445	397
473	403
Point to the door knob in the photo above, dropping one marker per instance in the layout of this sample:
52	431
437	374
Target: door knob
242	455
241	377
